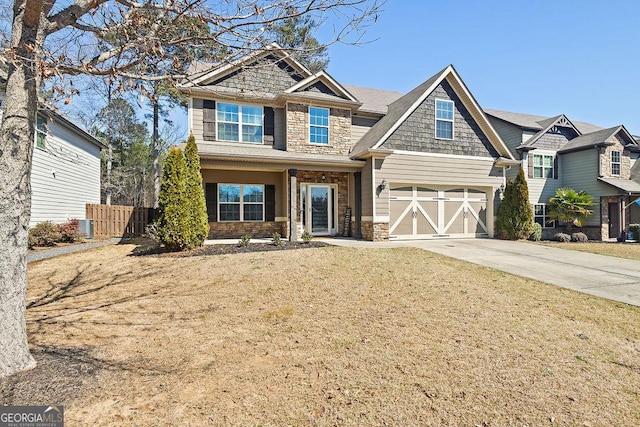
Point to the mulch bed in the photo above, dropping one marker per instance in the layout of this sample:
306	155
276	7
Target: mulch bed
148	248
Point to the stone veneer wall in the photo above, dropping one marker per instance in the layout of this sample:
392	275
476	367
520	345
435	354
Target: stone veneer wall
625	160
339	178
378	232
298	131
233	230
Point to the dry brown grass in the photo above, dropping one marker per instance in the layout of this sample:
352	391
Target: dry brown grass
620	250
331	336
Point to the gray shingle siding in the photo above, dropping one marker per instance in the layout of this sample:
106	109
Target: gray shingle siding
266	75
553	141
417	132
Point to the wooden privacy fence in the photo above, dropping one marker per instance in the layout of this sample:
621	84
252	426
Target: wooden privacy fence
118	221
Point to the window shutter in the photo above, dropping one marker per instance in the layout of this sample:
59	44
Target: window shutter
211	197
269	202
209	120
269	125
555	167
530	160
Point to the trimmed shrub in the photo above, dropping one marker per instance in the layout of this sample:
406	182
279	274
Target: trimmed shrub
562	237
635	231
579	237
44	234
173	220
199	222
536	233
515	215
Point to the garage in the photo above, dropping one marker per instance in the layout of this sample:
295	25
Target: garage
428	212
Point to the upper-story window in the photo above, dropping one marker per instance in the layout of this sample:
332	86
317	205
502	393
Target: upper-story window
615	162
41	132
444	119
542	166
240	123
318	125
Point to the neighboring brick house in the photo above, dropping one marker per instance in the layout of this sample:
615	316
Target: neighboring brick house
556	152
284	150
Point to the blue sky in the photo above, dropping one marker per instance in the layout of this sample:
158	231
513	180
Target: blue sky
579	58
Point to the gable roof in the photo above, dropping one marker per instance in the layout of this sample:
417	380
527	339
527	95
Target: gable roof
219	70
402	108
596	138
533	122
560	120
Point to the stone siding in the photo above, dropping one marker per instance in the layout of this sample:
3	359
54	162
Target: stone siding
298	131
269	75
417	133
375	232
233	230
625	160
339	178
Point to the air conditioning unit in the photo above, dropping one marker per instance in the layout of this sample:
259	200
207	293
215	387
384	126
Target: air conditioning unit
86	228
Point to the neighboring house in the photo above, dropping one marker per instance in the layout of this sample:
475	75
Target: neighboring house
65	172
556	152
284	150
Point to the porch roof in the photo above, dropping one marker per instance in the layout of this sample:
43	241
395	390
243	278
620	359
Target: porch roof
267	154
626	185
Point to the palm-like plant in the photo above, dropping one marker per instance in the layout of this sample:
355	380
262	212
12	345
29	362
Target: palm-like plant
571	207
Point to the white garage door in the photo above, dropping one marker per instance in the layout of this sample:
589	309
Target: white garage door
421	212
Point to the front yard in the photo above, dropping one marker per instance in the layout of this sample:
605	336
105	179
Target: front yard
321	336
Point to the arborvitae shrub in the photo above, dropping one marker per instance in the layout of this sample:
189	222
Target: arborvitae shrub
195	195
515	215
173	217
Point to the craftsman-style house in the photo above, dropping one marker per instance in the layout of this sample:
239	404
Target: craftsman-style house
289	151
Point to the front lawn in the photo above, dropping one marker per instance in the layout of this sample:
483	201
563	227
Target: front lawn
321	336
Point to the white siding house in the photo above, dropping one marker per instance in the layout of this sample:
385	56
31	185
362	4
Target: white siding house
65	171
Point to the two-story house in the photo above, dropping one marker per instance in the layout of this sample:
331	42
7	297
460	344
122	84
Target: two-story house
556	152
285	150
65	168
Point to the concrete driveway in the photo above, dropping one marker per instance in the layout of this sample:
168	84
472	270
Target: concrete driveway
608	277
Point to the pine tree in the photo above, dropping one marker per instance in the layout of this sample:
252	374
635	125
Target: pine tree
515	215
173	221
199	222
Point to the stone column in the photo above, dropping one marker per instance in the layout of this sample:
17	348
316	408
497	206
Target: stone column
293	214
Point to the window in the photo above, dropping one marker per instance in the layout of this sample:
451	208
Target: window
540	216
241	202
240	123
318	125
444	119
615	163
542	166
41	132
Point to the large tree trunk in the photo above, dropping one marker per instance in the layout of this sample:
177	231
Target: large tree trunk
16	149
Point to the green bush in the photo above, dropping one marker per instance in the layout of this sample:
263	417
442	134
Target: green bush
536	232
306	236
515	215
195	195
44	234
173	220
276	239
579	237
635	231
562	237
244	241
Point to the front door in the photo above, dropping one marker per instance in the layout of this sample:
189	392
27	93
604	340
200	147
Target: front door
317	207
614	220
